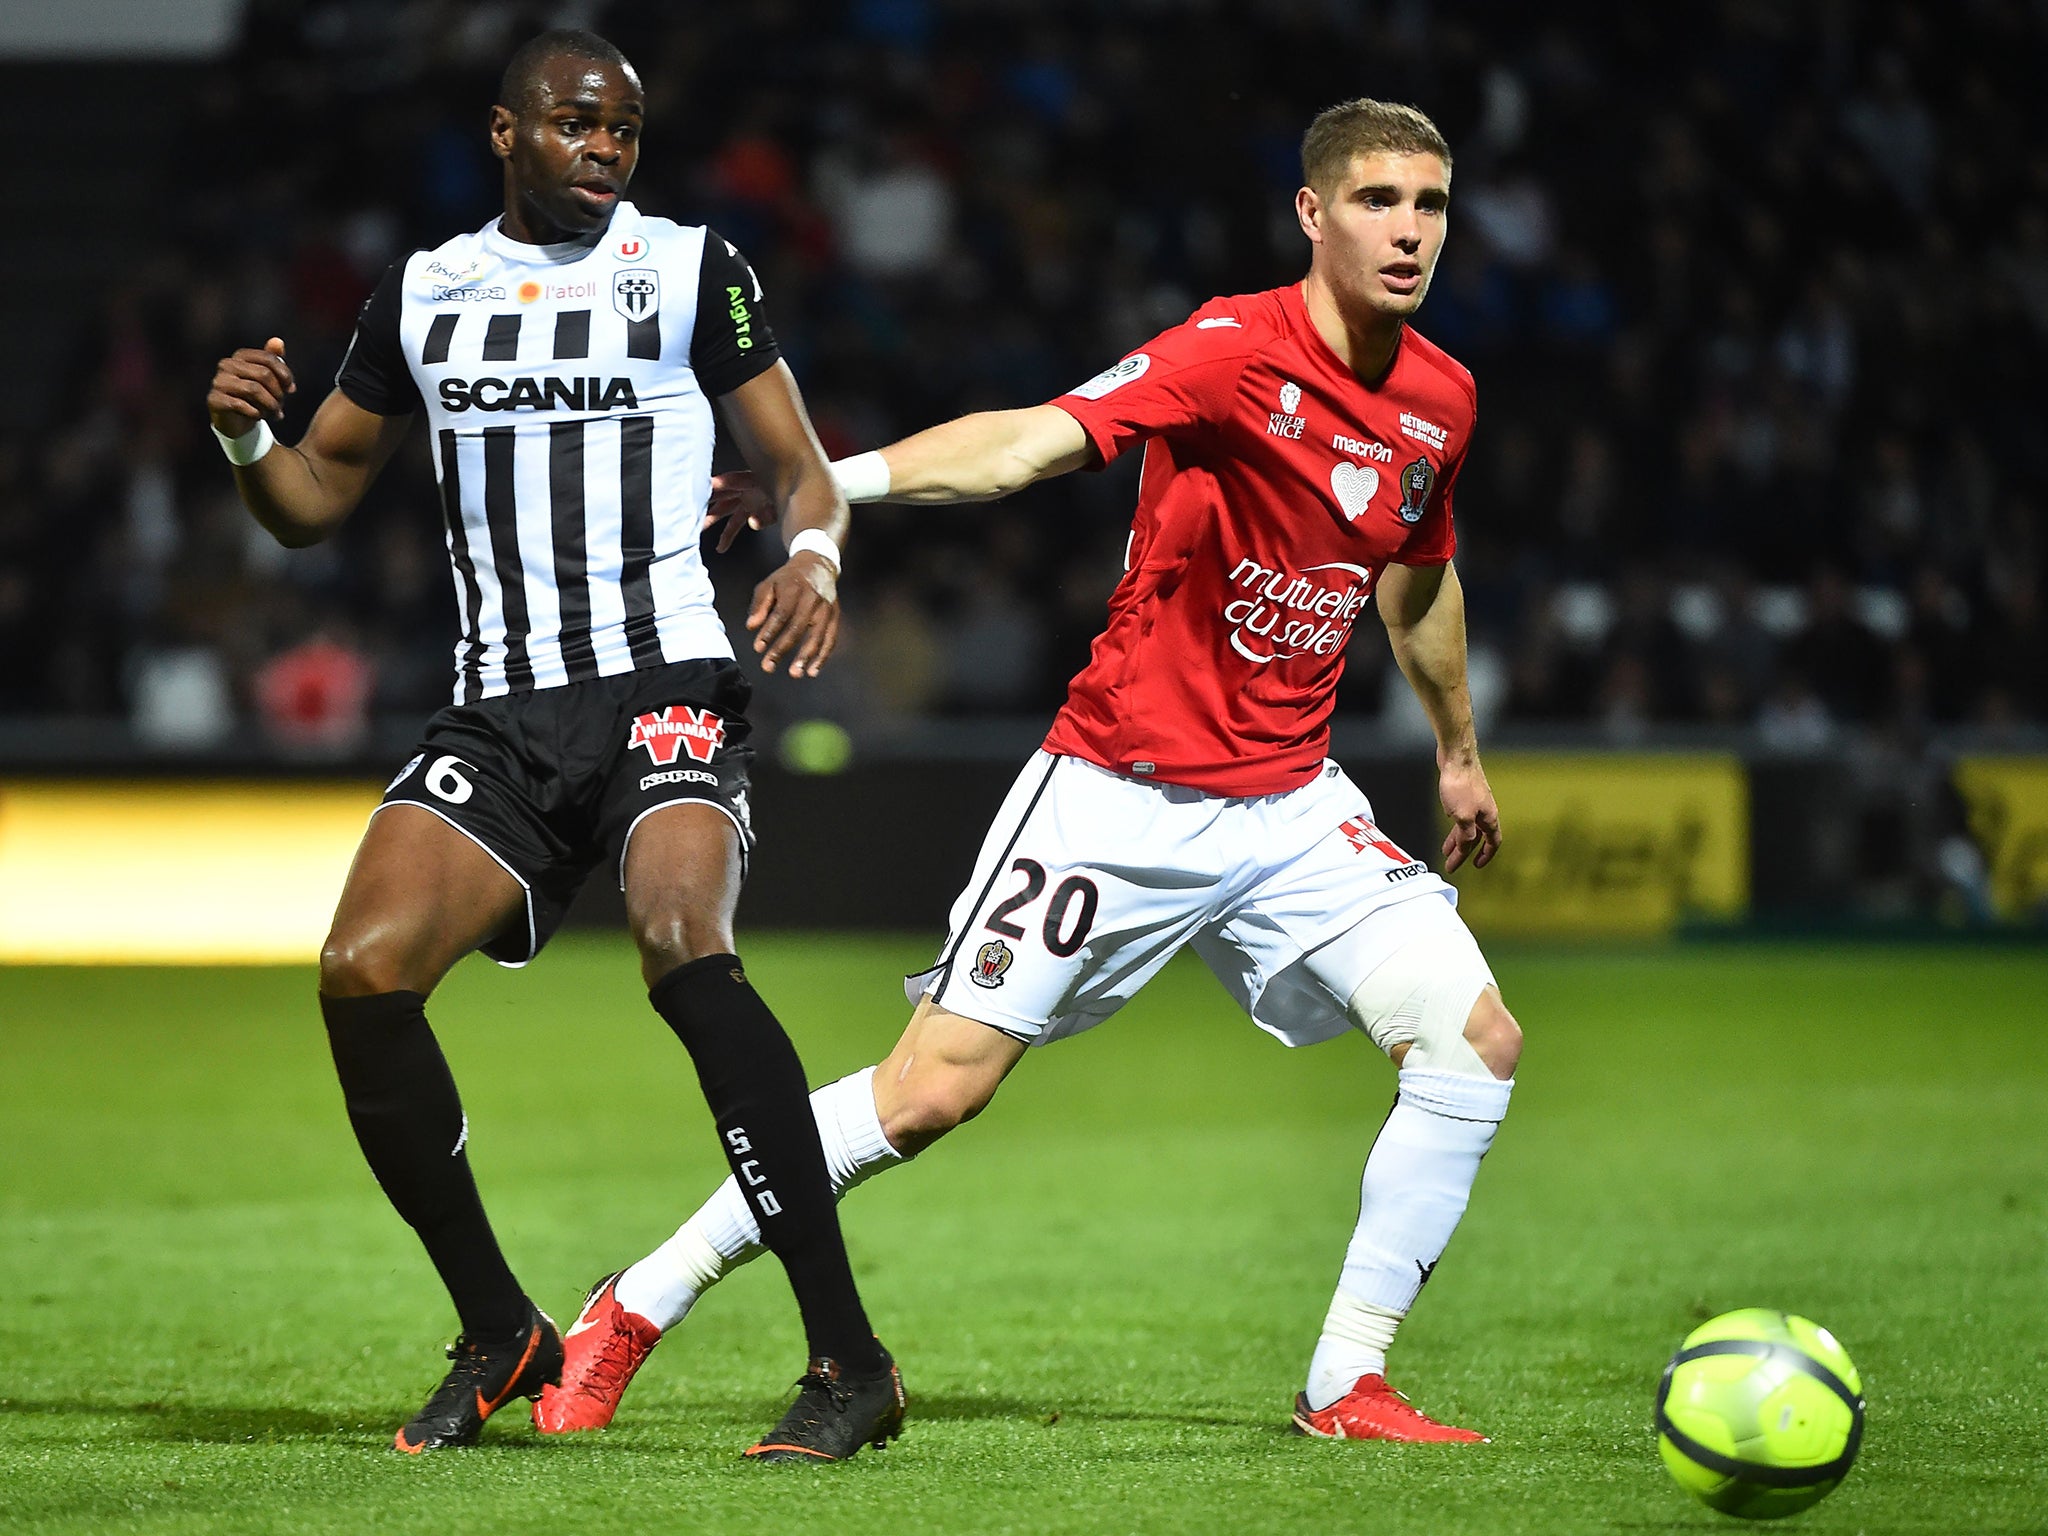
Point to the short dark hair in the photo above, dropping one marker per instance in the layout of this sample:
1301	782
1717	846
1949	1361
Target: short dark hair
522	70
1366	127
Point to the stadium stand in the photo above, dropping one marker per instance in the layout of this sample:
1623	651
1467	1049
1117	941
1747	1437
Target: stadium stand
1756	294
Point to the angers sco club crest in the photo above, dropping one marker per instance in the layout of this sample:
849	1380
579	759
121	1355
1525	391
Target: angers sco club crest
636	292
990	961
1417	481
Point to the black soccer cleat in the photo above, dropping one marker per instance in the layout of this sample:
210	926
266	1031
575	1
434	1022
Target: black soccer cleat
484	1378
834	1414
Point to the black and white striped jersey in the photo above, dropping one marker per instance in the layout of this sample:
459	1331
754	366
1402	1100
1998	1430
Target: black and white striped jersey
569	391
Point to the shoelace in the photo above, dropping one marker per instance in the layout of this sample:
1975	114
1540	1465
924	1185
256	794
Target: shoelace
470	1366
807	1410
608	1371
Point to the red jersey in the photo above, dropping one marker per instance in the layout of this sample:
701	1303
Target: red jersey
1277	485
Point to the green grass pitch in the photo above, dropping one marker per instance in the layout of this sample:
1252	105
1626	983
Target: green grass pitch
1103	1292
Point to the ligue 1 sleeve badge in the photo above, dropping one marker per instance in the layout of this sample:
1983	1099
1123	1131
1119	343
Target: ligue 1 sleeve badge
1417	481
990	961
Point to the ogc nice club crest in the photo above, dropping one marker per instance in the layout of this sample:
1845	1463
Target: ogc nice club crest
678	729
990	961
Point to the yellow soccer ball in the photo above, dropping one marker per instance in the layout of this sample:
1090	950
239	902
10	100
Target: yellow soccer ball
1760	1414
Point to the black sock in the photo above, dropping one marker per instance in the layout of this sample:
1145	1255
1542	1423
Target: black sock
755	1086
410	1125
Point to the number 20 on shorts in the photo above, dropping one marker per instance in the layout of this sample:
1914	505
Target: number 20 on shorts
1064	930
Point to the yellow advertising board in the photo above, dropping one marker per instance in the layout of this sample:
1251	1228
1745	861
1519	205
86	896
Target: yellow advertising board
1612	844
101	874
2008	801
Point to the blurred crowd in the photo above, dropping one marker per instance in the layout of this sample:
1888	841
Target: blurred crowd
1756	294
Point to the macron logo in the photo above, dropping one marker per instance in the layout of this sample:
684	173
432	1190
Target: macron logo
678	729
1218	323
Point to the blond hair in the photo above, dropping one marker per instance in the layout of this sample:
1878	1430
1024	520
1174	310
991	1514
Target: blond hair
1366	127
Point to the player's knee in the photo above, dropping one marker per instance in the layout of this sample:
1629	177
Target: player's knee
670	936
1432	1006
1493	1034
354	963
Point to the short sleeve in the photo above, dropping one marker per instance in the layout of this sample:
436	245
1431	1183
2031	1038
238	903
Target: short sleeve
1434	539
732	341
373	371
1177	382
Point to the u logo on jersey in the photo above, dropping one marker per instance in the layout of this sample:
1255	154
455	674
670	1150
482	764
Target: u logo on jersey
636	292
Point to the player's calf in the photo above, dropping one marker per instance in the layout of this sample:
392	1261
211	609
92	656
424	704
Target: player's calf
943	1072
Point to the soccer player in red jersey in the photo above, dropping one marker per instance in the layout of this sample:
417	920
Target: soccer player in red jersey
1301	447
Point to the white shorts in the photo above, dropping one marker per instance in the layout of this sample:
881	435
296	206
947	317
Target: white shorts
1089	882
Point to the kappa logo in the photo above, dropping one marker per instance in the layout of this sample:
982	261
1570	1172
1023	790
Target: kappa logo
679	776
990	962
1417	481
678	728
1130	368
636	292
1354	486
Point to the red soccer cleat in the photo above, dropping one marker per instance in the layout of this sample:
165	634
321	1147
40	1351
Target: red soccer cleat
1372	1410
601	1351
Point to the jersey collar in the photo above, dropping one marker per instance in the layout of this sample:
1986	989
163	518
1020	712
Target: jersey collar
498	243
1296	303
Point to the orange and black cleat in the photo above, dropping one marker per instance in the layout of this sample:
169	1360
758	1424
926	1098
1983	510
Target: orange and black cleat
835	1414
1372	1410
601	1351
484	1378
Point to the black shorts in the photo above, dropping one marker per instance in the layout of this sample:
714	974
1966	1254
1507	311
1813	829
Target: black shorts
550	782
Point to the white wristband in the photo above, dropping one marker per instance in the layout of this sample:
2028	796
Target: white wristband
250	446
864	477
818	542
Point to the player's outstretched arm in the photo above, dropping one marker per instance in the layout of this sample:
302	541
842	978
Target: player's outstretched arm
983	456
1423	607
302	493
797	607
971	458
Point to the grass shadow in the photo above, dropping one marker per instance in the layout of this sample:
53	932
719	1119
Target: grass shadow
212	1424
970	1408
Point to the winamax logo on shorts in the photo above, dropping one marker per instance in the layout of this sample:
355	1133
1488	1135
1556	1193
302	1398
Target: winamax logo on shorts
678	729
1282	615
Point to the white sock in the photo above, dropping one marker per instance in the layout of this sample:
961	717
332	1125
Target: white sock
1414	1190
723	1234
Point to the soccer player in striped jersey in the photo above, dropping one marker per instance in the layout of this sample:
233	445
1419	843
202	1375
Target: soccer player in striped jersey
1300	448
566	357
